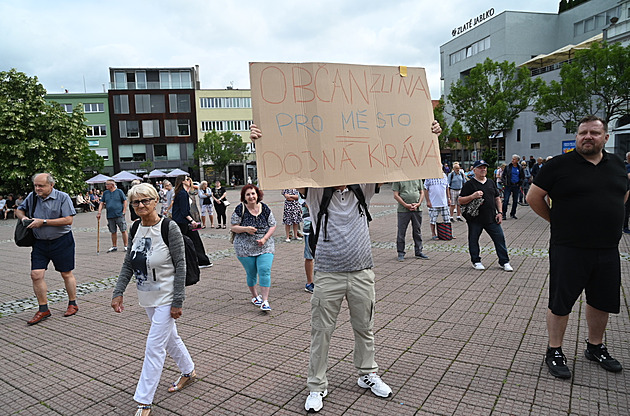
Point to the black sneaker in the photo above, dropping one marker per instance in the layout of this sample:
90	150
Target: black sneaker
557	363
599	353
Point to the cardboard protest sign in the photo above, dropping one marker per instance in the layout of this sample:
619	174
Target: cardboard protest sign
336	124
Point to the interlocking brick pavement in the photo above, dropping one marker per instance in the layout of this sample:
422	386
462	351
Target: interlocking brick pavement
450	340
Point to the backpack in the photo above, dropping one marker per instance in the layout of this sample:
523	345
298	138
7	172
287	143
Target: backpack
192	263
323	210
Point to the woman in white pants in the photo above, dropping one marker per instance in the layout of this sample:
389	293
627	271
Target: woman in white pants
160	272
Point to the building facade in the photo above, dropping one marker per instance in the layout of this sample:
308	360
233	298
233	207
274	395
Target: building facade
153	118
518	37
98	131
227	110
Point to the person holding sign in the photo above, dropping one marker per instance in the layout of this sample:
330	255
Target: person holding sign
343	268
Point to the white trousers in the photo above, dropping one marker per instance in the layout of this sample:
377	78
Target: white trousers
162	339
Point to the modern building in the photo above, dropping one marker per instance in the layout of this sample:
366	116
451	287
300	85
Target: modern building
96	109
227	110
518	37
153	118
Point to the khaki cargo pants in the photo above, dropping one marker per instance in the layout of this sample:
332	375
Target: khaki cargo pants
330	289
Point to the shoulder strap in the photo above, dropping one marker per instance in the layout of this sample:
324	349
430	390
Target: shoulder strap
323	209
165	228
362	204
34	204
134	229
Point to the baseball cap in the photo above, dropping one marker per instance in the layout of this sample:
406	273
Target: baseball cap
479	163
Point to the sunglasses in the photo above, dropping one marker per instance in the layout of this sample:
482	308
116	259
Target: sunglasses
145	202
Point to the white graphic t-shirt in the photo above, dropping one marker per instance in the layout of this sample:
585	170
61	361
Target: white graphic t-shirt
152	267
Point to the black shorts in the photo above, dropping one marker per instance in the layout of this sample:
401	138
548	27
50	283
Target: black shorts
573	270
60	251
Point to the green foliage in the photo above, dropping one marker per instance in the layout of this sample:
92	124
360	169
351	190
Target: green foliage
221	149
597	81
38	136
491	98
491	156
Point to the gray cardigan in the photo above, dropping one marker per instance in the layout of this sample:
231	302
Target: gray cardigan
176	249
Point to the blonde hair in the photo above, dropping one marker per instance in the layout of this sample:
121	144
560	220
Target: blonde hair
144	189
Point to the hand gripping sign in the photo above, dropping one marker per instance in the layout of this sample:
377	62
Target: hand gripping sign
334	124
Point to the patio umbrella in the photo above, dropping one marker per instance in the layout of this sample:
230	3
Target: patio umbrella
156	174
124	176
100	178
176	172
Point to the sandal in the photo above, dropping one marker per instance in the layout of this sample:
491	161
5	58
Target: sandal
183	381
143	410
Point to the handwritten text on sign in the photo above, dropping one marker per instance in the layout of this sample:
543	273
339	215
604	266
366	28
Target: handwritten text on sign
333	124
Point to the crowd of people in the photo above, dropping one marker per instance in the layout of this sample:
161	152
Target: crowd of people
338	264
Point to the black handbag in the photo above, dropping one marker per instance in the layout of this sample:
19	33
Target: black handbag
24	236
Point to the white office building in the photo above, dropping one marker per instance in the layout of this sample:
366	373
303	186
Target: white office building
520	37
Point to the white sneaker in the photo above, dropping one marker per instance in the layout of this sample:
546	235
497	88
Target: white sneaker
257	301
478	266
112	249
508	268
265	306
373	382
314	401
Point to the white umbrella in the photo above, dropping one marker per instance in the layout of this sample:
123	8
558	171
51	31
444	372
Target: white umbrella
176	172
100	178
124	176
156	174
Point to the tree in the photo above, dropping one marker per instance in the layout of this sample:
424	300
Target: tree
597	81
491	97
221	149
38	136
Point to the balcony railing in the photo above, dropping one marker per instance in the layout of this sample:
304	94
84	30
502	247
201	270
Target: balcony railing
148	86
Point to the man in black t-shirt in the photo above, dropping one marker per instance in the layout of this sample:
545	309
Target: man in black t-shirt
489	218
587	188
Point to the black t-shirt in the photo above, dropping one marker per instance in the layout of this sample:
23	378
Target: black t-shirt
487	211
587	200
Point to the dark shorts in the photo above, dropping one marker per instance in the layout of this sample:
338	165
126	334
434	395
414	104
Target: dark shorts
60	251
572	270
119	222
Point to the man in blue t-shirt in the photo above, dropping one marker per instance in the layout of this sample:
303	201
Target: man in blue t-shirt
512	179
115	201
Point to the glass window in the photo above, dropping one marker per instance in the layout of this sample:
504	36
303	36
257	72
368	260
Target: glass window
94	107
190	151
150	128
143	103
589	24
183	127
67	108
120	80
179	103
157	103
173	151
159	152
129	128
97	131
121	104
141	80
103	152
177	127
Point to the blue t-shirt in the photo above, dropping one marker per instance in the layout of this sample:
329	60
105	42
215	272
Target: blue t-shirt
114	202
515	174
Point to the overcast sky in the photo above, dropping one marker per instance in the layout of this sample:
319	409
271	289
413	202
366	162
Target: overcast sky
70	44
